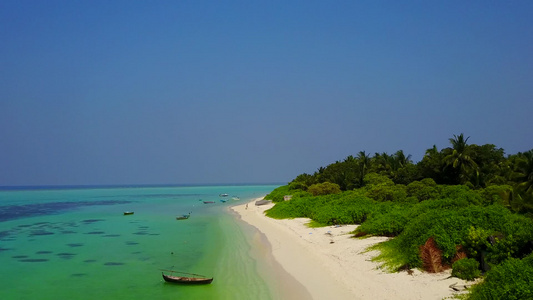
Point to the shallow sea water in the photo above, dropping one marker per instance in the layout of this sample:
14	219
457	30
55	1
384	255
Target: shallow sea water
78	244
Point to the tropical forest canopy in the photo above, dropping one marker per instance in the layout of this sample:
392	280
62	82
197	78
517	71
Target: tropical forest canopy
465	207
475	166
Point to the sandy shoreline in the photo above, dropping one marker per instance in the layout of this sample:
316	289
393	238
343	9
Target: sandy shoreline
331	265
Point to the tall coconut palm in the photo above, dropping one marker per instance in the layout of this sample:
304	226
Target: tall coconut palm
349	159
460	158
382	162
401	159
350	170
364	163
524	172
432	151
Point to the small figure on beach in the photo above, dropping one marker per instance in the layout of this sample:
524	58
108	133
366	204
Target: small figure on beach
246	206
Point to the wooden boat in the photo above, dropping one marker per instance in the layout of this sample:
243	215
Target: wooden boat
224	195
126	213
183	217
262	202
223	201
209	202
187	280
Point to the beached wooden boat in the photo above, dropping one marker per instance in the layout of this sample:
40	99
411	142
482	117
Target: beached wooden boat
183	217
126	213
187	280
262	202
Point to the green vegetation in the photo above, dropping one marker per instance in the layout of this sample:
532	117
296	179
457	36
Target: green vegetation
324	188
466	207
466	268
513	279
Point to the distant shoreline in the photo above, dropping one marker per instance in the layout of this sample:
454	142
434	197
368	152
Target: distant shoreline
118	186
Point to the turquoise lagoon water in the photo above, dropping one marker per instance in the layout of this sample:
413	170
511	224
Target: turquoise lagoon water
77	244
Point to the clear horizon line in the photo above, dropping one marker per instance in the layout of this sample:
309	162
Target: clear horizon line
75	186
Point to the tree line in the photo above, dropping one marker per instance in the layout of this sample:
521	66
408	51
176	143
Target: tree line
472	165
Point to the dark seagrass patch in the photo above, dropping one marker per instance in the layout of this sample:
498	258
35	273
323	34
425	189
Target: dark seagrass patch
113	263
33	260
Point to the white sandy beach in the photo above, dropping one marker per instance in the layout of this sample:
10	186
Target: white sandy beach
331	265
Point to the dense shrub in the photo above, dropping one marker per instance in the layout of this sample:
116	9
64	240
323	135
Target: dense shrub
425	206
461	192
375	178
277	194
297	185
331	215
423	190
386	192
476	241
345	208
516	236
359	213
446	226
324	188
353	207
495	194
499	232
453	227
513	279
387	219
295	208
466	268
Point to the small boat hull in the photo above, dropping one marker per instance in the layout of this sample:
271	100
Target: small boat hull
127	213
187	280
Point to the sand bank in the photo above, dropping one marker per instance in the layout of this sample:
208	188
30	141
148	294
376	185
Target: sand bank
331	265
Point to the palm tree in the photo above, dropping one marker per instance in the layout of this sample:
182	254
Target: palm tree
524	174
364	163
382	162
432	151
460	158
349	159
350	172
432	165
401	159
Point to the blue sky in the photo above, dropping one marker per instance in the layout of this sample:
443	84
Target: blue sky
199	92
